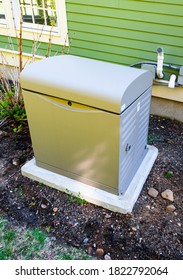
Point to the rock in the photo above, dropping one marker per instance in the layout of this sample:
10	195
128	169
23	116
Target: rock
168	194
107	216
170	208
129	214
86	240
3	133
153	192
53	238
16	161
43	206
100	252
90	250
107	257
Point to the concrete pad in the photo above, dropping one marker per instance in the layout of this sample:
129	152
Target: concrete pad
122	204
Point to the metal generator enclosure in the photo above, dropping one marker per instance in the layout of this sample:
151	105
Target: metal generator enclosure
88	119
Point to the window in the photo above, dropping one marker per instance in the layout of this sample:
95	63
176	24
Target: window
39	17
2	13
39	12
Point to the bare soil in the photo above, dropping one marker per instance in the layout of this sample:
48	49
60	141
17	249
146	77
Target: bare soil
150	232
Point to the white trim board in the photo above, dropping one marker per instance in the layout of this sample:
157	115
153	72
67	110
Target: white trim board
122	204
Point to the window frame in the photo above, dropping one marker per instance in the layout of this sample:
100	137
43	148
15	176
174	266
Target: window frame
35	26
3	20
11	24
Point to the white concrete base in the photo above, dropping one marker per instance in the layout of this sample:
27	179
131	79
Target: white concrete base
122	204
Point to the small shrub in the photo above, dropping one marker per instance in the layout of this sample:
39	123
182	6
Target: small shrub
150	139
169	174
73	198
12	107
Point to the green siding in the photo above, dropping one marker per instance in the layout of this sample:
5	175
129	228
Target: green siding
28	46
122	31
126	31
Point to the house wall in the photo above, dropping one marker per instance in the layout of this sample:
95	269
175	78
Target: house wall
126	31
122	31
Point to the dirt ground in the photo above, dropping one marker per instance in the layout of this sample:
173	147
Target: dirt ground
150	232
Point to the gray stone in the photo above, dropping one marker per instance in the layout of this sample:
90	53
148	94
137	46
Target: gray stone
3	133
153	192
90	250
107	257
43	206
170	208
168	194
16	161
85	241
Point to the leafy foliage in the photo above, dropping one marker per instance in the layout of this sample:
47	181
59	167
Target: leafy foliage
12	107
73	198
169	174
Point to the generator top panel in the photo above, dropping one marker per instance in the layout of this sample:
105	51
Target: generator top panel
103	85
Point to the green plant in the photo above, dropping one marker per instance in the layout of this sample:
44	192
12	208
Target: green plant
151	138
11	104
169	174
19	243
16	244
11	100
73	254
7	240
73	198
169	141
33	243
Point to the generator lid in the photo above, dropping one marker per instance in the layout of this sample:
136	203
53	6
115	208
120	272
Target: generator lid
102	85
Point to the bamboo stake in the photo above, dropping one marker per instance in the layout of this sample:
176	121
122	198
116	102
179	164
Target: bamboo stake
20	43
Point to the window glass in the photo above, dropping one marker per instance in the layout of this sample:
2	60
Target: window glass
2	13
39	12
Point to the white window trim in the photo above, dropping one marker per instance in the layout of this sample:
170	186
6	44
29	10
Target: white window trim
59	35
3	22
